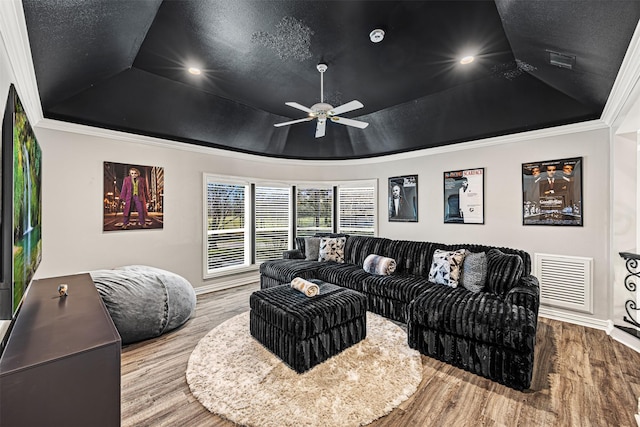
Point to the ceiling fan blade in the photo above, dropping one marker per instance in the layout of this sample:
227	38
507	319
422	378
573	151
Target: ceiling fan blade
349	122
306	119
320	128
349	106
299	107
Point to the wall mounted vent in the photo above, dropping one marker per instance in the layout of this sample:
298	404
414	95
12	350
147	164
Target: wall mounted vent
565	281
561	60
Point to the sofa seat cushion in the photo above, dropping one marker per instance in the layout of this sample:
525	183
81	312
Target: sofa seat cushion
396	287
346	275
285	270
483	317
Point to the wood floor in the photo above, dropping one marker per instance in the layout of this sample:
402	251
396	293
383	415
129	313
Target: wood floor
582	378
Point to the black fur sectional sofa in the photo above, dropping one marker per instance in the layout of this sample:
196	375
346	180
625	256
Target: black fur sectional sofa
490	332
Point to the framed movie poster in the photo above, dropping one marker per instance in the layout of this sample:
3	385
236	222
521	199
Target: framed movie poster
403	198
133	197
464	196
552	192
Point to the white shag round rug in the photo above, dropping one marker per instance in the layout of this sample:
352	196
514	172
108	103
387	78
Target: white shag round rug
234	376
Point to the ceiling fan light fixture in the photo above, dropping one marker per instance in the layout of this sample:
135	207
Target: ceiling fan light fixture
376	36
322	111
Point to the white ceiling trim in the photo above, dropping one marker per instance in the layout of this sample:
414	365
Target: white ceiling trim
625	88
165	143
13	27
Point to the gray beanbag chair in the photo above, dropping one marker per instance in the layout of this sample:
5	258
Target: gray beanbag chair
144	302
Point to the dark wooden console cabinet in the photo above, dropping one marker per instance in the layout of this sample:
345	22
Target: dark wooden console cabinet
61	364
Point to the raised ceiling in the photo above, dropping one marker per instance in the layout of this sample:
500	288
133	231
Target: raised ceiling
122	65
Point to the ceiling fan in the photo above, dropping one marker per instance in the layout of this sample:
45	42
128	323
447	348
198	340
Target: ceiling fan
323	111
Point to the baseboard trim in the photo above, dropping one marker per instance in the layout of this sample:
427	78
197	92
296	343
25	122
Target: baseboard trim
227	284
605	325
577	319
623	337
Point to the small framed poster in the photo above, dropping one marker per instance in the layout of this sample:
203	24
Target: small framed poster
403	198
552	192
464	196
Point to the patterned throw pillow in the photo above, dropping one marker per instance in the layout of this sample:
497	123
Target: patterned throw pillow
332	249
311	248
445	268
474	271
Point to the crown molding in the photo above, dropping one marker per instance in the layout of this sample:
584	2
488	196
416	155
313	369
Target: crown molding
13	28
166	143
626	89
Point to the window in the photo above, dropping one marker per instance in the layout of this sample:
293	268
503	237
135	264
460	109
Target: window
272	213
357	210
314	210
247	223
227	225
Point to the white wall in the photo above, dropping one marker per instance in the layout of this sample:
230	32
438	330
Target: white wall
72	200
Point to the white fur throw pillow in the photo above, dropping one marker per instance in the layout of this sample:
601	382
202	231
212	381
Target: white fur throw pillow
377	264
446	266
332	249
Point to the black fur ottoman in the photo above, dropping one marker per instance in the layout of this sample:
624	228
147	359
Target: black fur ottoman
304	331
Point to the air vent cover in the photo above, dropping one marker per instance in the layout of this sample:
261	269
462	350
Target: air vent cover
562	60
565	281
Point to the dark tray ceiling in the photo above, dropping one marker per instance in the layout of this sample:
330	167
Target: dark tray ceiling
122	65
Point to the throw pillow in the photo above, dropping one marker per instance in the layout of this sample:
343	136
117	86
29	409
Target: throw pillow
311	248
474	271
445	268
377	264
332	249
504	271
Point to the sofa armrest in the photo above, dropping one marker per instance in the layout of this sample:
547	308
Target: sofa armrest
293	254
526	293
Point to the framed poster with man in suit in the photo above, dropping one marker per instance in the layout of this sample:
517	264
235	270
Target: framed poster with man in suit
552	192
403	198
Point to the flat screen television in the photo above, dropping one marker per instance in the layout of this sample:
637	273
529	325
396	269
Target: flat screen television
21	207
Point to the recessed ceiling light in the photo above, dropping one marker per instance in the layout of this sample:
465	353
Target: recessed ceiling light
195	71
376	35
467	60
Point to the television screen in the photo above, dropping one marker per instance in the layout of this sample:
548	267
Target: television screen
27	203
21	207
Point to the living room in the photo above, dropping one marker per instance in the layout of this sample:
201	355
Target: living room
73	240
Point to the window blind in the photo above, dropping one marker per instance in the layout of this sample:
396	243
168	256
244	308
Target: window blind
357	210
272	222
226	225
314	211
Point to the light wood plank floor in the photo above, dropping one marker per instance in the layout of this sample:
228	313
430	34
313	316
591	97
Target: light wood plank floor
582	378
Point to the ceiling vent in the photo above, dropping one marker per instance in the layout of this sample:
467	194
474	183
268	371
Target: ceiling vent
561	60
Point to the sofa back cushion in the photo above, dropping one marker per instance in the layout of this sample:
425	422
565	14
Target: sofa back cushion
504	271
411	257
357	248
